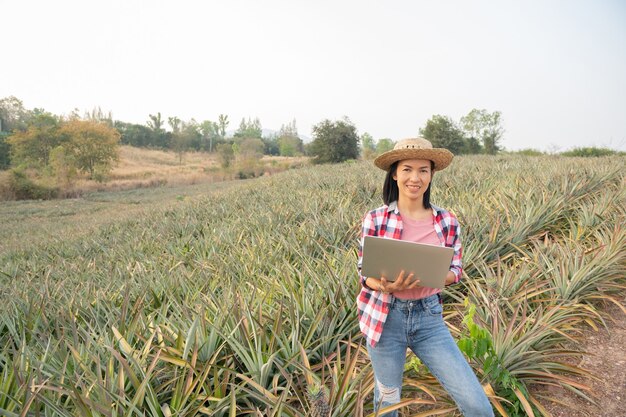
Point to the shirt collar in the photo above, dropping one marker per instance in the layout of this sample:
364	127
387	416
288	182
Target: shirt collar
393	206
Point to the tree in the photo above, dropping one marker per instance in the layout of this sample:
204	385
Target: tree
485	127
369	148
33	145
155	123
97	115
226	154
471	146
185	136
13	115
222	121
93	145
383	145
136	135
271	144
443	133
289	143
174	123
334	141
159	137
290	146
249	129
210	132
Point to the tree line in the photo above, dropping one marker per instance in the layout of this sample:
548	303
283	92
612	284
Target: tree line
28	136
67	145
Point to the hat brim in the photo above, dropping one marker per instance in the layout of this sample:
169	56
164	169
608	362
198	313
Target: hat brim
441	157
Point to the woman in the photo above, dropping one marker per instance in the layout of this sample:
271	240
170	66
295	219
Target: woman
400	314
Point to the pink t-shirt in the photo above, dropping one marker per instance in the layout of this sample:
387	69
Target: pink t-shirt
422	231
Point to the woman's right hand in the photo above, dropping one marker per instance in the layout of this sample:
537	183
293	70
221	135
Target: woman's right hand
401	283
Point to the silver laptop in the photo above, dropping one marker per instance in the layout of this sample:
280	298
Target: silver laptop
383	257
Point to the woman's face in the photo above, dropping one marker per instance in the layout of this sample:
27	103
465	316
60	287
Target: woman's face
413	177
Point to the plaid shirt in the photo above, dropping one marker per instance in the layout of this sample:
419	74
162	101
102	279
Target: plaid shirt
373	306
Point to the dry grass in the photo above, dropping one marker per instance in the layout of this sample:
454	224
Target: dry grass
138	163
148	168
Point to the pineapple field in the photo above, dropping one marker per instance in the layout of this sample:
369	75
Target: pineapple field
242	301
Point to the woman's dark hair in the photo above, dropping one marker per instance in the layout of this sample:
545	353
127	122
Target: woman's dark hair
390	187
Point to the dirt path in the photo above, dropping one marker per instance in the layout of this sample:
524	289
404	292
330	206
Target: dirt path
606	360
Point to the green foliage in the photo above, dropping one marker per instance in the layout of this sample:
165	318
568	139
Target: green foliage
591	152
222	122
155	122
288	141
210	310
33	145
477	344
5	152
486	127
175	124
290	146
334	141
529	152
86	144
368	145
24	188
471	146
383	145
142	136
249	129
185	136
271	145
210	134
443	133
367	142
93	145
13	115
63	166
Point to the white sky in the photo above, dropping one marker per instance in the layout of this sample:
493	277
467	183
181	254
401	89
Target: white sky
555	69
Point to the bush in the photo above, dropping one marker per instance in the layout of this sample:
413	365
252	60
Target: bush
590	152
226	154
244	174
248	168
528	152
334	142
24	188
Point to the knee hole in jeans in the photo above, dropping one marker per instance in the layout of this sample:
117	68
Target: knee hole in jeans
389	395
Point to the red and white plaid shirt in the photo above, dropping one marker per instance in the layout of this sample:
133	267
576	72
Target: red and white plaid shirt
385	221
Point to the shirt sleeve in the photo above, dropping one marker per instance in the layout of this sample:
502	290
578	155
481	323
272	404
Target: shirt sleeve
456	266
368	229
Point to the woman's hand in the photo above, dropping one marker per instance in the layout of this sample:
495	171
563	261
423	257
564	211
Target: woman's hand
401	283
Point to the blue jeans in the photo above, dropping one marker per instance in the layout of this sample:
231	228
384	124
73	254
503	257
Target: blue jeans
419	325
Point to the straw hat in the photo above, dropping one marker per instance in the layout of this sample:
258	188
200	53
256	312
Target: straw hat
414	148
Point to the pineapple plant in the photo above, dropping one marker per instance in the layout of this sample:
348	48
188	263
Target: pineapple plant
318	400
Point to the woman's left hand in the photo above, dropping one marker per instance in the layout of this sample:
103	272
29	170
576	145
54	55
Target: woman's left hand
400	284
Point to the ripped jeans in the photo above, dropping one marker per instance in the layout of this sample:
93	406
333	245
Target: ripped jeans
419	325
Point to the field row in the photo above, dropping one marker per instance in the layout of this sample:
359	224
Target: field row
241	302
